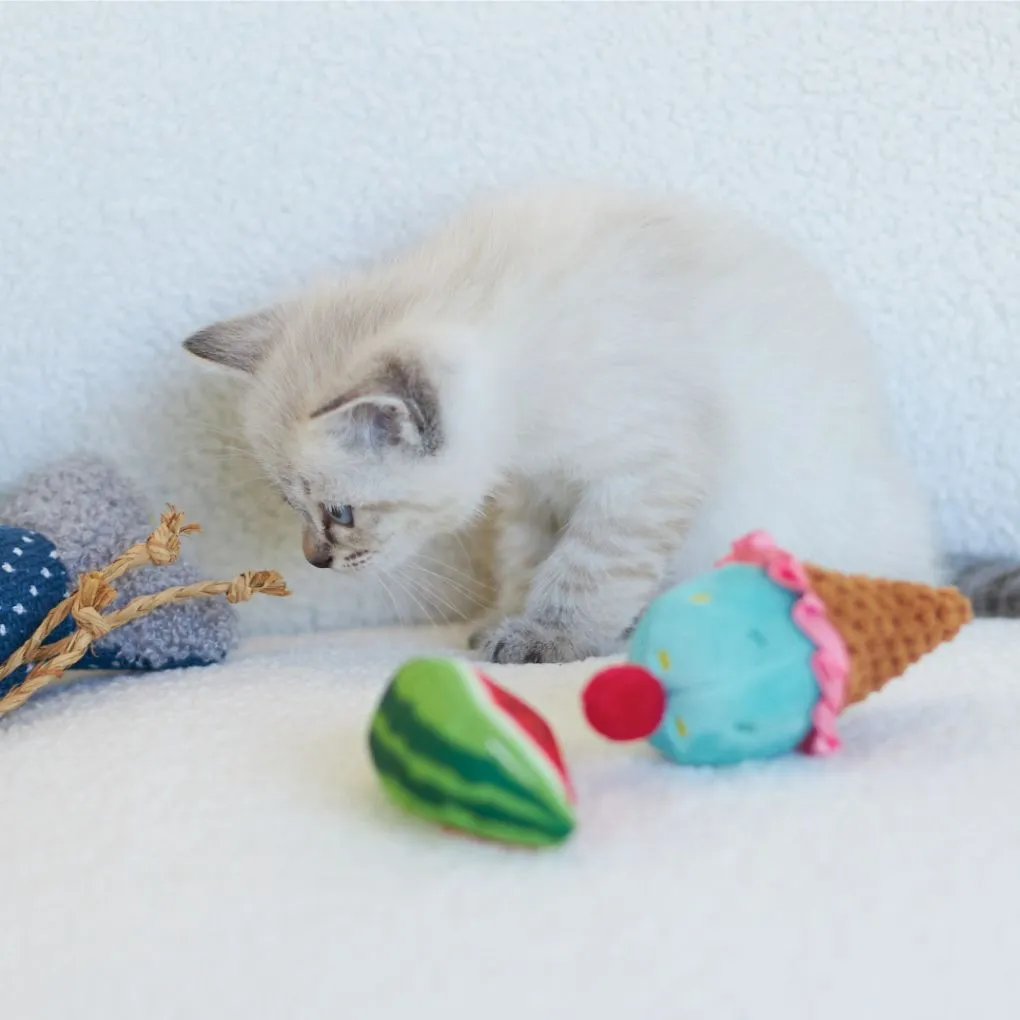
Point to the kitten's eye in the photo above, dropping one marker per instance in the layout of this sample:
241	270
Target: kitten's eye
342	515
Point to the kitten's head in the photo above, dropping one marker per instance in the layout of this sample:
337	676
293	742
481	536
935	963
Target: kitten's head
349	423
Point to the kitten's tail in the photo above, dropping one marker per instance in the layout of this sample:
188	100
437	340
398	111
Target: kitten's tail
993	586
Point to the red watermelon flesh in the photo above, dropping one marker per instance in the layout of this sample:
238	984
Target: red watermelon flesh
533	725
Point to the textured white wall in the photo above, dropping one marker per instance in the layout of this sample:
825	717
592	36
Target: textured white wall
162	165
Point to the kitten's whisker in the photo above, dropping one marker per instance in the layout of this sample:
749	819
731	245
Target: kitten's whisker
398	579
431	597
463	587
429	592
458	536
446	568
488	586
470	606
397	611
453	585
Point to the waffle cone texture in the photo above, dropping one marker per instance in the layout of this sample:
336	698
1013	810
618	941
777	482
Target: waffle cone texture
886	625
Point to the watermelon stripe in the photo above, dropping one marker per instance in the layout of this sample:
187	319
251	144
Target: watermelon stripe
406	723
438	804
439	774
453	816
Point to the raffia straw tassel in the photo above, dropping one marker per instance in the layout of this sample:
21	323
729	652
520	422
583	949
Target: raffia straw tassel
92	625
95	593
162	547
240	589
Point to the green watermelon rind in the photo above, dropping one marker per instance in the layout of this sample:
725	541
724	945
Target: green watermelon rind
396	757
434	803
423	742
470	788
524	754
441	793
444	775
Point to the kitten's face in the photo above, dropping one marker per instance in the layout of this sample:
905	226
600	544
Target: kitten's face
359	506
361	456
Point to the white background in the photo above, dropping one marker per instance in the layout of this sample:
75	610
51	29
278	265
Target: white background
164	165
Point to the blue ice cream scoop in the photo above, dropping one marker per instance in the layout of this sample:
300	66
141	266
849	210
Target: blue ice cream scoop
718	673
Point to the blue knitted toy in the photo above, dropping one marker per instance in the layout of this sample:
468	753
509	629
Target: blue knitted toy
76	516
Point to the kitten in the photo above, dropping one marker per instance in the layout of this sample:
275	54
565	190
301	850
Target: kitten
992	585
637	381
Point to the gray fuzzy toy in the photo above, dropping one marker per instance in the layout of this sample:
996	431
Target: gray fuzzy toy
91	514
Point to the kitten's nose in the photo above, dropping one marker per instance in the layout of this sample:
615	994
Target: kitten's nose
321	558
319	554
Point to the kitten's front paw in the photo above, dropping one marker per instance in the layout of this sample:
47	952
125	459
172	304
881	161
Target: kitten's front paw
519	640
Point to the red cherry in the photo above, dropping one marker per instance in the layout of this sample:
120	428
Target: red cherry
624	702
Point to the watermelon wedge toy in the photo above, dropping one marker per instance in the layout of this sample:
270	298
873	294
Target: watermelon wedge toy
454	748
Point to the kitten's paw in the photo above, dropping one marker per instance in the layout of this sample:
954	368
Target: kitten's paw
520	640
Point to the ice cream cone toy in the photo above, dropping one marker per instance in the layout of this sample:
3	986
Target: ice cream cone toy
759	656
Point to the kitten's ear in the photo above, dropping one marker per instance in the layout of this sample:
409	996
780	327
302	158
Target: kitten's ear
397	408
236	344
375	421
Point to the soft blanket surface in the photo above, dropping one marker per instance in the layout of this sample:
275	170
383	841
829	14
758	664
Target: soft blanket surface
212	843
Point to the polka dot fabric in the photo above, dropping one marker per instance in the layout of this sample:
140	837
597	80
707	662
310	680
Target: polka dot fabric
32	581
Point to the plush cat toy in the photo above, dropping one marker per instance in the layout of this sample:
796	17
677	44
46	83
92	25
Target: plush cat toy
759	657
77	515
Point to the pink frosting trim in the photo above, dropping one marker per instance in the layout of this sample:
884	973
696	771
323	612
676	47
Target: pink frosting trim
830	662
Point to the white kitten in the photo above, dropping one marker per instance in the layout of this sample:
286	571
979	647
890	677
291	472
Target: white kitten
638	381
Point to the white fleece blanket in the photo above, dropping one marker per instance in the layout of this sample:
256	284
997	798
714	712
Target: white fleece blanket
212	844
